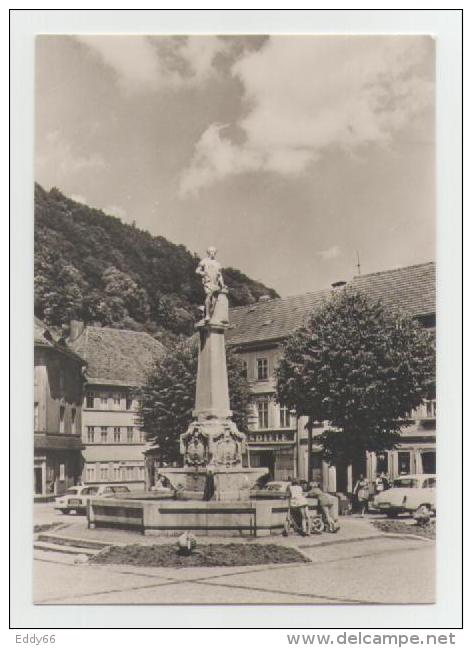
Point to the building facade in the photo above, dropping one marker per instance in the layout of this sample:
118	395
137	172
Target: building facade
276	438
58	389
117	364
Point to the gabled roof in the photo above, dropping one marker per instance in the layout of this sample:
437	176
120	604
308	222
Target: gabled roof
43	337
412	288
117	356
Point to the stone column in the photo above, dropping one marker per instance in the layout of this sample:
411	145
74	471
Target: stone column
212	395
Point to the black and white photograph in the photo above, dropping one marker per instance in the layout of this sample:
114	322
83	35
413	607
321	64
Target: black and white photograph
235	301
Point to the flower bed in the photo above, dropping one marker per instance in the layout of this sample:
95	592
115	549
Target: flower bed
405	526
210	555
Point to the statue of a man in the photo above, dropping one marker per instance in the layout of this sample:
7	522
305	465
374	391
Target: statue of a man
210	271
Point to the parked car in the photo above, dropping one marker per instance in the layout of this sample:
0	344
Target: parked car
271	490
77	497
409	493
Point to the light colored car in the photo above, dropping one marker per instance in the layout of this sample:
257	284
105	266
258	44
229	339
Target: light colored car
76	498
409	493
271	490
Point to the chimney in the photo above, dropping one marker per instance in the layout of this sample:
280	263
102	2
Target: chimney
337	285
75	329
264	298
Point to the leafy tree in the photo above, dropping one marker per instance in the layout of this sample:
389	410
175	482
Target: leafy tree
361	368
129	275
168	397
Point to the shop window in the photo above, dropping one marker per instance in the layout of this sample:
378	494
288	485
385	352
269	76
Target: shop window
428	460
262	369
403	463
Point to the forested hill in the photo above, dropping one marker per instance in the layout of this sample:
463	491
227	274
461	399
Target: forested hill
93	267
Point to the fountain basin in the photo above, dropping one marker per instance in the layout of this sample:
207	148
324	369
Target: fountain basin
251	518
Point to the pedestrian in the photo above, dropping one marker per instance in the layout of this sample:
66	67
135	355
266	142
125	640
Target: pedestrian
298	505
326	504
209	489
378	484
385	481
361	493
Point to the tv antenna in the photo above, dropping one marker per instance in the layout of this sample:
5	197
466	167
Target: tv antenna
358	265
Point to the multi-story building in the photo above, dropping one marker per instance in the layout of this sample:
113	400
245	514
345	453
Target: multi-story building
277	439
118	362
58	384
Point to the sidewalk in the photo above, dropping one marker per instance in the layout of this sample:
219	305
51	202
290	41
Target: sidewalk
352	529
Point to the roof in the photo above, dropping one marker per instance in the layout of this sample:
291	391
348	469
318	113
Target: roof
412	288
43	337
117	356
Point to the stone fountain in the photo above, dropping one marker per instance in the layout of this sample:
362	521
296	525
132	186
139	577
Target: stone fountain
212	446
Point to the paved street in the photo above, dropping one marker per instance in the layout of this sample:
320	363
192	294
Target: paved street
359	565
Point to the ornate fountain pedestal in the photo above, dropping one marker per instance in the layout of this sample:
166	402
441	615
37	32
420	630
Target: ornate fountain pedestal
212	444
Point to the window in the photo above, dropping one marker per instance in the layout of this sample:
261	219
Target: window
62	472
73	415
90	472
90	400
430	408
103	434
284	417
91	490
104	473
262	369
116	473
62	411
129	434
142	436
104	400
116	401
116	434
429	483
129	402
36	416
263	413
90	434
403	463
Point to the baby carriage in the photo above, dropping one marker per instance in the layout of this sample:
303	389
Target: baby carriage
304	524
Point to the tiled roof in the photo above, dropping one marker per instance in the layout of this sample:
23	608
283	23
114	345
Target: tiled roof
412	288
117	356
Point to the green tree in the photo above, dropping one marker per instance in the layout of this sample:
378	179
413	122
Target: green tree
361	368
168	397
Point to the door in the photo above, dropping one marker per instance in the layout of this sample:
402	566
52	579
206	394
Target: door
428	460
38	481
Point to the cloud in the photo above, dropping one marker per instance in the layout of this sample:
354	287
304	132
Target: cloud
306	95
55	153
146	63
330	253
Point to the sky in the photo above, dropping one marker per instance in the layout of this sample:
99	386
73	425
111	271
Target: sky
290	154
